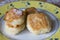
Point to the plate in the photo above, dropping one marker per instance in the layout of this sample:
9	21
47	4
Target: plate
52	11
24	35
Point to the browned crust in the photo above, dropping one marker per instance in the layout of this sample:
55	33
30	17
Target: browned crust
31	10
39	23
10	15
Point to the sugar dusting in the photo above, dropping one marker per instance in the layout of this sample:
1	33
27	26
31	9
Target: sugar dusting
18	12
14	10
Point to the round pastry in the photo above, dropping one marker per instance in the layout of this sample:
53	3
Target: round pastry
38	23
14	19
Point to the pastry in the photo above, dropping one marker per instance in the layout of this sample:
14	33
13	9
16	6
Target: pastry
38	23
14	21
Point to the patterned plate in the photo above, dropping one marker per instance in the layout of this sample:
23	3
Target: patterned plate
37	4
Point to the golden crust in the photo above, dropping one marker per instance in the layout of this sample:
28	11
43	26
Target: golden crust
38	21
11	15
